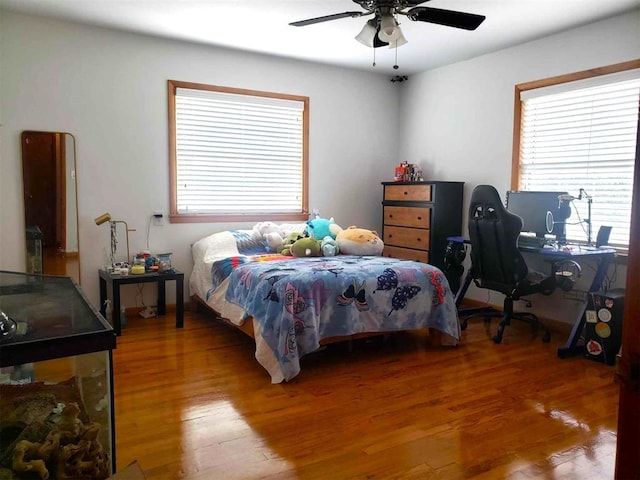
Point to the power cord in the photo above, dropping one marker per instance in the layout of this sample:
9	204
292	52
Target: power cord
148	230
141	295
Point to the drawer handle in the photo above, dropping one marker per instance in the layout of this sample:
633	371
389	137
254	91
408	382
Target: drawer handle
390	215
419	239
406	193
419	218
390	235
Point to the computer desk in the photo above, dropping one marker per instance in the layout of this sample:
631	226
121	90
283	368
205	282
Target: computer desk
570	252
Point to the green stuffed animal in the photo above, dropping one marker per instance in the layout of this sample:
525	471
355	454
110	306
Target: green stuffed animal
289	241
306	247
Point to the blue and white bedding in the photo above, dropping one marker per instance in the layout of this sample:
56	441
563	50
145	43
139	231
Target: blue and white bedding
209	277
295	303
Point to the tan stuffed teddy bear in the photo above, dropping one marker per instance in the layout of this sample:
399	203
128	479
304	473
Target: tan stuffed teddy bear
359	241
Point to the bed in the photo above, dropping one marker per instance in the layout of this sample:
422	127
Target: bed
291	306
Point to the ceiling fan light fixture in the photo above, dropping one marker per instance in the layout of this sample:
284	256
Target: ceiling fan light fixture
399	41
389	29
367	34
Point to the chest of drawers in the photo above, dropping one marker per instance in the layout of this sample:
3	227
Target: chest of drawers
417	219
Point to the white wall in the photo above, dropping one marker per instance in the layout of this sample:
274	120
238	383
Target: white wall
108	88
457	121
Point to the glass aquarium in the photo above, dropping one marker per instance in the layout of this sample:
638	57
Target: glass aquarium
56	383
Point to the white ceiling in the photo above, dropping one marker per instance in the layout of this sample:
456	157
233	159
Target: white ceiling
262	26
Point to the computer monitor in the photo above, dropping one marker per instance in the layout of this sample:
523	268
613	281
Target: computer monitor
533	206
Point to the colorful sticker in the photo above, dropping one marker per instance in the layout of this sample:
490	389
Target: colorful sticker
603	330
591	316
608	303
596	300
604	314
594	348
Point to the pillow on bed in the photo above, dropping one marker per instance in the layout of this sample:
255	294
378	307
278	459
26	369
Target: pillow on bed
231	243
249	242
216	245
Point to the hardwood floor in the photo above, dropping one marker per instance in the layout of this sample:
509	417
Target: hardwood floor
195	404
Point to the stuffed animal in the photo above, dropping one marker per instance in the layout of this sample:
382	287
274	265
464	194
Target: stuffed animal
274	241
271	233
359	241
318	228
329	246
289	241
306	247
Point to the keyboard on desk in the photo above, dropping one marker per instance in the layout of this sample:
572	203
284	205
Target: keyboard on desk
528	242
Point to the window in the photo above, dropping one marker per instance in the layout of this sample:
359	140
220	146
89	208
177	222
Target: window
577	133
237	155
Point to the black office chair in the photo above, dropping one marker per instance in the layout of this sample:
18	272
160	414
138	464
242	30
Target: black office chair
496	262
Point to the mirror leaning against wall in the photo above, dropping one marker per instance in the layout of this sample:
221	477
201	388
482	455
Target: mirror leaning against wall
50	203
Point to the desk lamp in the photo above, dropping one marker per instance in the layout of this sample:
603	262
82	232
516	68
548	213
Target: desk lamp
105	217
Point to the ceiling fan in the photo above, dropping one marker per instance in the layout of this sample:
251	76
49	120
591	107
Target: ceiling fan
383	29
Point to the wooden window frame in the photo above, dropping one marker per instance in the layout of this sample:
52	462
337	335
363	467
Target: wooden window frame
519	105
571	77
176	217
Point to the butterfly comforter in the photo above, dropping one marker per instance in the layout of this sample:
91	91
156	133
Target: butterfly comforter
297	302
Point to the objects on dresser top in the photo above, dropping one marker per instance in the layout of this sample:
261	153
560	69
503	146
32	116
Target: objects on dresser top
407	172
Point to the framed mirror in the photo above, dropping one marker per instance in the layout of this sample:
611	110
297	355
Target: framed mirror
50	203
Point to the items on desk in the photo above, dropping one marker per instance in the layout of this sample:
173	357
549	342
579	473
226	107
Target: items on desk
164	262
602	238
138	267
566	198
546	213
530	241
541	212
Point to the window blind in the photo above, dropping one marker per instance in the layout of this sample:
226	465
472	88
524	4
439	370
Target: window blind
238	153
584	138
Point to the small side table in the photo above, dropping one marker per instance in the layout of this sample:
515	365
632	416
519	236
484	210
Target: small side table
115	280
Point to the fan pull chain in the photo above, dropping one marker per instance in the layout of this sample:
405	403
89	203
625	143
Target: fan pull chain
374	57
396	67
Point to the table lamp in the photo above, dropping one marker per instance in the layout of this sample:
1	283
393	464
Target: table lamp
106	217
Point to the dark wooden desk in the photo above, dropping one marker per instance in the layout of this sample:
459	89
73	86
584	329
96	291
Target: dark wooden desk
115	280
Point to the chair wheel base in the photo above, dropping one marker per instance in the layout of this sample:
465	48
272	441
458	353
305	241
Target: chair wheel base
498	336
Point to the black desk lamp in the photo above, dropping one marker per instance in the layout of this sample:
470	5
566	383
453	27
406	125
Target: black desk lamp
589	198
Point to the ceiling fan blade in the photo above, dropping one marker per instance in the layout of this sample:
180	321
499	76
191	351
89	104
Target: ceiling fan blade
413	3
326	18
466	21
